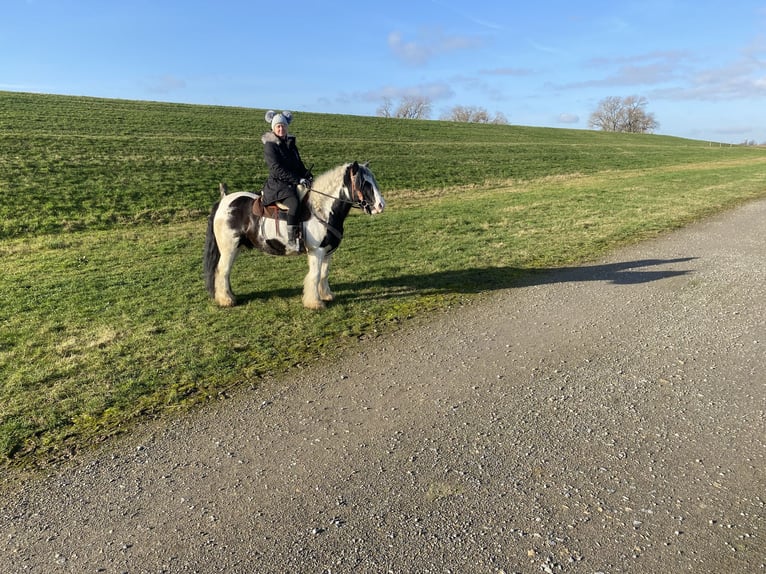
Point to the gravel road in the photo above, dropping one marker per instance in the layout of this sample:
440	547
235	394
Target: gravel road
606	418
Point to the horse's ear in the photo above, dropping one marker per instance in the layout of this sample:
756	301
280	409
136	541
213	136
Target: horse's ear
354	167
223	188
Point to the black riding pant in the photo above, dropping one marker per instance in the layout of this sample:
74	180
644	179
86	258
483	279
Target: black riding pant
292	205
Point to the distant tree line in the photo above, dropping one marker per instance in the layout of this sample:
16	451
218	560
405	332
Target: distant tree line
409	108
419	108
473	115
613	114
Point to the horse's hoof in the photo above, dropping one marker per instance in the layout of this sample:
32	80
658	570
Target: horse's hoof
225	301
314	305
328	298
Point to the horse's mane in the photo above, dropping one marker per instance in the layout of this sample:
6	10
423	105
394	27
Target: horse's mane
330	183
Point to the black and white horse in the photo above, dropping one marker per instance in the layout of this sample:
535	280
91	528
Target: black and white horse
239	220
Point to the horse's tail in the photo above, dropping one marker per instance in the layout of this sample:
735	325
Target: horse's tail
211	255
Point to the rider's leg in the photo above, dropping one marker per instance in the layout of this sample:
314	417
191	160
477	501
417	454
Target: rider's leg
293	222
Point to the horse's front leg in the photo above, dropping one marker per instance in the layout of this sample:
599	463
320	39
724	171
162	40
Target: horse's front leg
311	299
325	293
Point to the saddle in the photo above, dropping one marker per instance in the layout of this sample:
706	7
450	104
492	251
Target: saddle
271	211
278	210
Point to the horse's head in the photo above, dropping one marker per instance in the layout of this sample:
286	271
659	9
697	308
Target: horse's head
364	188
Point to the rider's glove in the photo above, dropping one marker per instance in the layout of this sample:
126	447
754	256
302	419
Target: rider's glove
305	183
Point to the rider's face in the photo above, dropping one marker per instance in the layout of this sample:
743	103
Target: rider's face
280	130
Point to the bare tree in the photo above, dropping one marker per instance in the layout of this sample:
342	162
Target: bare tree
458	114
480	116
474	115
500	119
385	108
628	115
410	107
637	120
414	108
607	115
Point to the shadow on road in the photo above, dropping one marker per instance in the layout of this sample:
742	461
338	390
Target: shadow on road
493	278
623	273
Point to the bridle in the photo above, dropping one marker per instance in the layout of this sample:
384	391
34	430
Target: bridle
361	203
357	200
357	197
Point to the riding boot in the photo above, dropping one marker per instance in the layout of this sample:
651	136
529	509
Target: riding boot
293	243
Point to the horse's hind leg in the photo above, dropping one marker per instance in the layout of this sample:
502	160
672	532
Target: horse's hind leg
228	245
325	294
223	294
311	298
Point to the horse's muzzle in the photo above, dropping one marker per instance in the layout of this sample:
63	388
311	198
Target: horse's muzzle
377	208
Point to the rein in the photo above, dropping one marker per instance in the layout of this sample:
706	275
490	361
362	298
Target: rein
359	203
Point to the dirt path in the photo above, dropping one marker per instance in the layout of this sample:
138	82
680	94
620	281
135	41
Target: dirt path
609	418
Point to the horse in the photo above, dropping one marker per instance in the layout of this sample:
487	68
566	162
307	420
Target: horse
239	220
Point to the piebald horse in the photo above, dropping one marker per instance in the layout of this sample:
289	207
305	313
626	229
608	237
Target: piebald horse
239	220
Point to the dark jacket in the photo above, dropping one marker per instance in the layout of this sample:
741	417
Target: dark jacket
286	168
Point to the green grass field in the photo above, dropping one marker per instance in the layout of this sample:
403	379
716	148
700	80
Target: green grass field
104	319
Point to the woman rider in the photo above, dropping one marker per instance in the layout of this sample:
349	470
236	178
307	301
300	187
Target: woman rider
286	172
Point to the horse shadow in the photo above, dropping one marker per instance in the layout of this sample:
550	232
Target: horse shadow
482	280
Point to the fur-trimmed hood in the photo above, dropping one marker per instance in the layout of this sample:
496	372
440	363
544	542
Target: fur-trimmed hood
271	137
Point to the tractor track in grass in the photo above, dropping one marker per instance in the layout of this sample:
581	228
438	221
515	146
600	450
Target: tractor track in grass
604	418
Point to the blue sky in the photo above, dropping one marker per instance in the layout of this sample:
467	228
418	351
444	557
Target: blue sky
701	65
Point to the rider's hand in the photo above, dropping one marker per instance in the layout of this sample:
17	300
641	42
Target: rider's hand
305	183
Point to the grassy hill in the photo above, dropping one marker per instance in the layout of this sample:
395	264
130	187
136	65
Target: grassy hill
73	163
103	315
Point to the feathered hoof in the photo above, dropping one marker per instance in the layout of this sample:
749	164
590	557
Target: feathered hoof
313	304
226	301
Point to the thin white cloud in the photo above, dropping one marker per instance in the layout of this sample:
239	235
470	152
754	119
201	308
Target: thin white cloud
615	25
742	79
470	16
568	118
639	70
546	49
676	75
734	130
486	23
507	72
741	89
671	56
642	75
433	91
430	43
